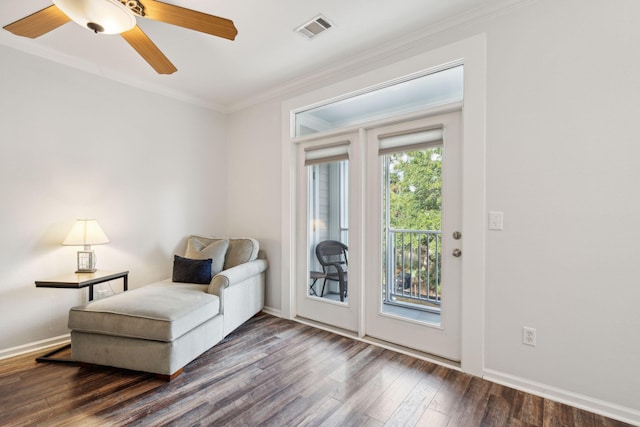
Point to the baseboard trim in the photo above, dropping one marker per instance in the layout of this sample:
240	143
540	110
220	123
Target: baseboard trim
34	346
272	311
601	407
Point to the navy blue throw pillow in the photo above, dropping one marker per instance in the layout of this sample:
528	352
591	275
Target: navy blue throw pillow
189	270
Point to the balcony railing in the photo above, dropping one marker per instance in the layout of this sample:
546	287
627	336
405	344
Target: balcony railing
413	268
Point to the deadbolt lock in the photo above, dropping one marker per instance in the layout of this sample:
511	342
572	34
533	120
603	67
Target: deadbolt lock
457	235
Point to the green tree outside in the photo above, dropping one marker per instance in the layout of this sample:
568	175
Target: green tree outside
415	196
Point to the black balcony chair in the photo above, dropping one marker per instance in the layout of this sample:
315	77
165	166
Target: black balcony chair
332	255
403	280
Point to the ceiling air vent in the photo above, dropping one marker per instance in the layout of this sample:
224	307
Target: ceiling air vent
314	27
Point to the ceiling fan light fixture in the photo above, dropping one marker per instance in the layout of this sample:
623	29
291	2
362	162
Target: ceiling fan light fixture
99	16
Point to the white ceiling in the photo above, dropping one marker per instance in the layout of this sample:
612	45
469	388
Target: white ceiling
265	55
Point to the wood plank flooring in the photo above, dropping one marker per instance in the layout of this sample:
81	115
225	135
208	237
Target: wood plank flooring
275	372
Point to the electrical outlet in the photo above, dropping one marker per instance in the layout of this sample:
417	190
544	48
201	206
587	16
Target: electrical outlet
529	336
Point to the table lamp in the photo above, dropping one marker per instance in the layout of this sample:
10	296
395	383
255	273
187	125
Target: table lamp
86	232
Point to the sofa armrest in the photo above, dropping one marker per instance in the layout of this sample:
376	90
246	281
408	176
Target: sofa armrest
241	292
236	274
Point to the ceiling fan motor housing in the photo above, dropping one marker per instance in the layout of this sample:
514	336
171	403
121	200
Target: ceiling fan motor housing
100	16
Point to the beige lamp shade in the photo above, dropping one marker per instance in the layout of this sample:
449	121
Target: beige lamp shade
86	232
99	16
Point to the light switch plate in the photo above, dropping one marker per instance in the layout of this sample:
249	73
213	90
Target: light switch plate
496	220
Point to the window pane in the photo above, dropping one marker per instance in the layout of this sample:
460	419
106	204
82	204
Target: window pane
412	234
431	90
327	211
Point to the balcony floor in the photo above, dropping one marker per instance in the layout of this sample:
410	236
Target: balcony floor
412	313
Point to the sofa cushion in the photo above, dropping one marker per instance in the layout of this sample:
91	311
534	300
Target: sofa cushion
189	270
202	248
161	311
241	249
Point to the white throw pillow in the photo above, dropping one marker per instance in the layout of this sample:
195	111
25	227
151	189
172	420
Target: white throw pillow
202	249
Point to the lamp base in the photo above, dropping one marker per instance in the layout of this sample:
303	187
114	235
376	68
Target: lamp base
86	262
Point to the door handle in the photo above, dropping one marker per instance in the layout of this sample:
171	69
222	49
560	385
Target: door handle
456	253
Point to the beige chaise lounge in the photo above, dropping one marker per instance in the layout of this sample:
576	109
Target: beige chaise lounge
161	327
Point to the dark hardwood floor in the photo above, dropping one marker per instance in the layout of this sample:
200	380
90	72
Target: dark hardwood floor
275	372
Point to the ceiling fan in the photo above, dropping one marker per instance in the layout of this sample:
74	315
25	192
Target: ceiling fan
119	17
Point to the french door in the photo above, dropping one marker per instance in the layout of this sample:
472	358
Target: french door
413	238
327	178
402	279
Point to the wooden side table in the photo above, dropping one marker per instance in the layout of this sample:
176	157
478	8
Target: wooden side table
77	281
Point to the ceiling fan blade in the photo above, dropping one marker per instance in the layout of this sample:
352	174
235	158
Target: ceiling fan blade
149	51
190	19
39	23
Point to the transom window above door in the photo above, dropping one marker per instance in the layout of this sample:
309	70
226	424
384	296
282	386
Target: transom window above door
402	96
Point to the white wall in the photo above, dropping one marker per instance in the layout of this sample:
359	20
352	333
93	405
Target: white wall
150	169
562	147
562	107
254	186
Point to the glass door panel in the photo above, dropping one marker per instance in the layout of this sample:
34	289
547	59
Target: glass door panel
411	234
328	233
